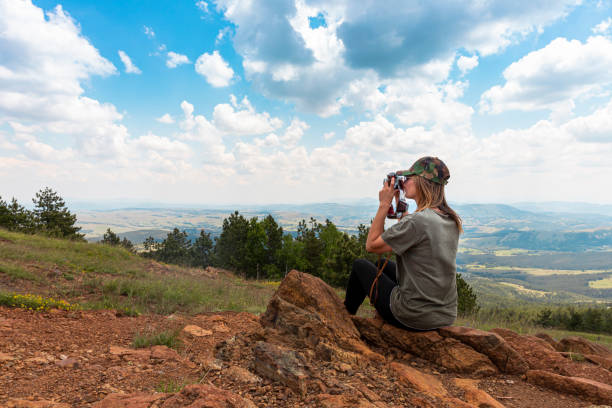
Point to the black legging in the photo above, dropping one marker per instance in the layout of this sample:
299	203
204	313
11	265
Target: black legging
360	282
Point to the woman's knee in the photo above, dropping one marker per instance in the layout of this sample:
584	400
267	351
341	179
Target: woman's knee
359	264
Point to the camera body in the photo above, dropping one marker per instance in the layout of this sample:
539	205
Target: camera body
401	204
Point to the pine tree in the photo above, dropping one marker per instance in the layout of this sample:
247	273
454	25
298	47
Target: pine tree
201	250
52	216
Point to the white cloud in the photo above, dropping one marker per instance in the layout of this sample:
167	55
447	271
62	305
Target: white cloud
40	78
603	27
466	64
553	77
223	33
202	5
294	132
130	68
148	31
241	119
329	135
217	72
165	118
174	59
318	68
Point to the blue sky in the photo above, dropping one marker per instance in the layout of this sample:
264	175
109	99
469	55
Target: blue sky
245	101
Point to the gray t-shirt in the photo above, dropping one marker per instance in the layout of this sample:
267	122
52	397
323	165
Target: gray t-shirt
425	244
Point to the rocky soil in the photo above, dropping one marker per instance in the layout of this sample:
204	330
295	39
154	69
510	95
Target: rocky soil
304	351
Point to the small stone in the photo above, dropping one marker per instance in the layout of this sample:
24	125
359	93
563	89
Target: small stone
196	331
68	363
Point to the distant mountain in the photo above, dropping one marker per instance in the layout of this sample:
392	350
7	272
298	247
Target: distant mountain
566	207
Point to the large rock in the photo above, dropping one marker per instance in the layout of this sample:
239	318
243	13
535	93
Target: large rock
310	311
577	344
589	390
490	344
538	353
279	364
446	352
206	396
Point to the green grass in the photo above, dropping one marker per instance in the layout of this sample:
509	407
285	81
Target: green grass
68	256
103	277
171	386
18	272
167	338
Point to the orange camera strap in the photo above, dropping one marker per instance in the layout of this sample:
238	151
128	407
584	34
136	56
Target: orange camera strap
374	287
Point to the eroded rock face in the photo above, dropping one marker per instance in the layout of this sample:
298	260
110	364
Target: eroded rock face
430	345
279	364
590	390
490	344
576	344
308	308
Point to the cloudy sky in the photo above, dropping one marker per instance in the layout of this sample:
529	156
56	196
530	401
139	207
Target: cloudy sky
276	101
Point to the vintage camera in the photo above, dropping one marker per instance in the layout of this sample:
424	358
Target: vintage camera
402	205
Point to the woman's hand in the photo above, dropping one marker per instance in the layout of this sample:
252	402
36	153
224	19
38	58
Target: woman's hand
386	194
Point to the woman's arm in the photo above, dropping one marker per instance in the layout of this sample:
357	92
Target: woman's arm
375	243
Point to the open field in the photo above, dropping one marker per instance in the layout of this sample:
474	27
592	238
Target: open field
605	283
538	271
102	277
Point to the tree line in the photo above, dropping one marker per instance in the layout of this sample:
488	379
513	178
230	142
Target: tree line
590	319
254	248
50	216
260	249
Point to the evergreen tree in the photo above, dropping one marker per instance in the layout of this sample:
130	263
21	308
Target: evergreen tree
201	250
467	302
14	217
230	247
255	250
110	238
52	216
274	242
176	248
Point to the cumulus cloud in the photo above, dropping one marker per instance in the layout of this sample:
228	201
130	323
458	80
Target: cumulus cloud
318	66
553	77
165	118
603	27
174	59
241	119
202	5
40	76
130	68
148	31
466	64
217	72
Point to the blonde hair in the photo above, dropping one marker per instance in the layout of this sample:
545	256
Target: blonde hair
431	195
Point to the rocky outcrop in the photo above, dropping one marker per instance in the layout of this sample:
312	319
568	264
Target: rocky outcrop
577	344
490	344
430	345
540	355
282	365
590	390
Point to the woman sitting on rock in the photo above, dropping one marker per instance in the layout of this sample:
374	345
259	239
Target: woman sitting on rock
420	292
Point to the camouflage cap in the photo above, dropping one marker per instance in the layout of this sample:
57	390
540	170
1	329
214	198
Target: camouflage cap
430	168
